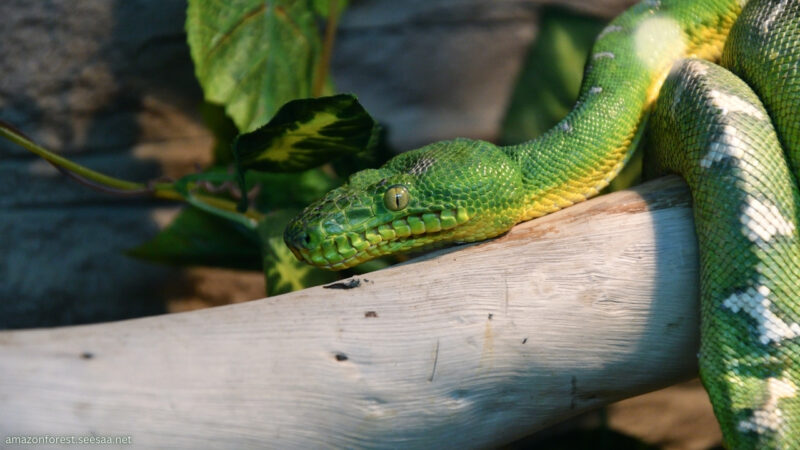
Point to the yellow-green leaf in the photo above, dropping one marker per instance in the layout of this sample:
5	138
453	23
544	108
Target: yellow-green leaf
306	133
283	272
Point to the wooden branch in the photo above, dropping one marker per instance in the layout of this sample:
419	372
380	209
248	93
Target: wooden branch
469	347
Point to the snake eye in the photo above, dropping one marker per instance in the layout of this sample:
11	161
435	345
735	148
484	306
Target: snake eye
396	197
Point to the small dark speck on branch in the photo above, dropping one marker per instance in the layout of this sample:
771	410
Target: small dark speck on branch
341	357
347	284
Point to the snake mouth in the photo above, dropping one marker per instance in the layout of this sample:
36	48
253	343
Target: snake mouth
350	248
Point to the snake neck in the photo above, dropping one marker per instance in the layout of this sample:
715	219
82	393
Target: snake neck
629	61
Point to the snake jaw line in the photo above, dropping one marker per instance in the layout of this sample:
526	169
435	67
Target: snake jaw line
416	231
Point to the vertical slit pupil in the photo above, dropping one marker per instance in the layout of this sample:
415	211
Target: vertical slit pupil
396	198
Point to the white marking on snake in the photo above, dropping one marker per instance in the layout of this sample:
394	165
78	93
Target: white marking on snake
769	417
683	72
730	103
659	42
727	145
776	9
595	90
676	100
603	55
763	221
609	29
697	67
565	126
756	304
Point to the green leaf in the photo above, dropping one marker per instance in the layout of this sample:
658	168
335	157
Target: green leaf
283	272
306	133
548	84
197	238
253	56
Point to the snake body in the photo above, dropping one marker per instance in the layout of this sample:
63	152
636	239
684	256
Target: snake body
734	138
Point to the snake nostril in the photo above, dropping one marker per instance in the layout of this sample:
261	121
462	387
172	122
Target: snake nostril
300	239
295	236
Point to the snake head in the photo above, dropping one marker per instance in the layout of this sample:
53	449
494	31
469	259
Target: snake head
447	192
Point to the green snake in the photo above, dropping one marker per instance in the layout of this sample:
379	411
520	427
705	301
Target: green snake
735	139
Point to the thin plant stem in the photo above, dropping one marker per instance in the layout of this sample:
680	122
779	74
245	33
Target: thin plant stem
327	48
60	161
108	184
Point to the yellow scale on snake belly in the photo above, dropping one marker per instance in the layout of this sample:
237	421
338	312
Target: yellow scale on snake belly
731	132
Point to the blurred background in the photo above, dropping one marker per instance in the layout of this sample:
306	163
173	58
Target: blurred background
110	84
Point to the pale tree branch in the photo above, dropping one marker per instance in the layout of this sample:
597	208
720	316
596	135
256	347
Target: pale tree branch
469	347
